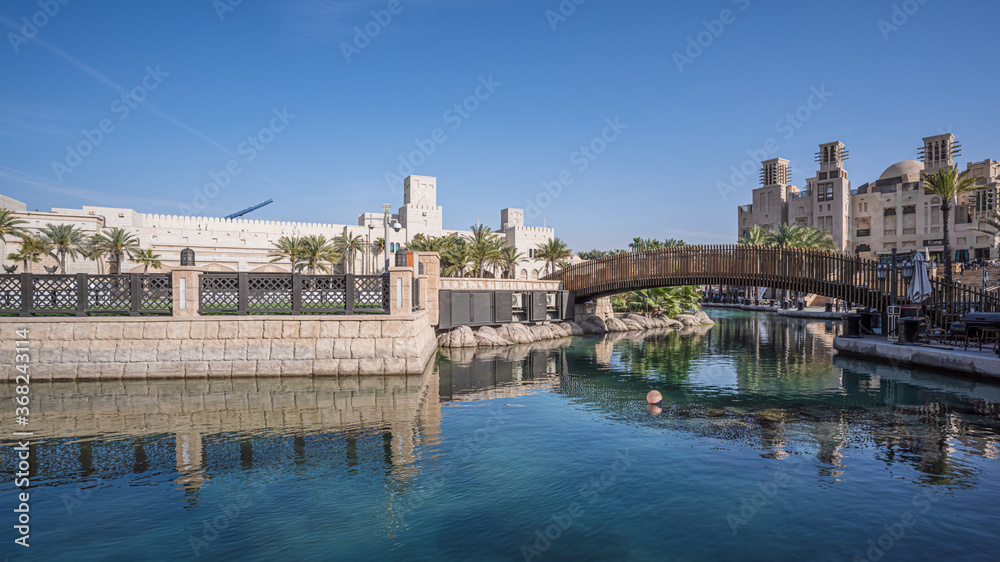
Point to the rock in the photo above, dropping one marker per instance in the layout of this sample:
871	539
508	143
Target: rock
615	325
643	321
518	333
688	320
488	337
704	318
460	337
574	328
673	323
591	328
599	322
564	328
633	324
541	332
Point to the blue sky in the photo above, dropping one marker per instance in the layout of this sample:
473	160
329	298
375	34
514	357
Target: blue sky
330	112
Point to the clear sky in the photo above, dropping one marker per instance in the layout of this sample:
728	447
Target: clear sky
314	102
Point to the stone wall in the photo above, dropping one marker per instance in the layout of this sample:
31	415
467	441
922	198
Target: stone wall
212	347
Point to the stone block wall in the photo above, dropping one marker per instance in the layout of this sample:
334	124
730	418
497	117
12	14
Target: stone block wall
212	347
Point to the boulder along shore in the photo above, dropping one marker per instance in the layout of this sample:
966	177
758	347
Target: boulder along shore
514	334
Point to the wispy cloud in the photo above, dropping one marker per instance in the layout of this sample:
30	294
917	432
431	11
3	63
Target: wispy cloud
14	176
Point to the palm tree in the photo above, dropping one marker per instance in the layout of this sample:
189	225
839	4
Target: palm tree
787	236
92	250
817	239
484	246
553	251
316	252
117	243
456	258
947	183
378	247
10	225
65	240
147	258
509	258
287	248
673	243
755	236
31	251
348	245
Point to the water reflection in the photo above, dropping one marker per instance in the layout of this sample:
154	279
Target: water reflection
771	384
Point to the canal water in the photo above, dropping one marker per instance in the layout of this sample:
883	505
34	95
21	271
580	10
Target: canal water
766	447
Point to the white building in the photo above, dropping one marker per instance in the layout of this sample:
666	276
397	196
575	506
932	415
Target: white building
244	244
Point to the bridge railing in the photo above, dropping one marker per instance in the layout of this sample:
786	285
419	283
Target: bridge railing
831	274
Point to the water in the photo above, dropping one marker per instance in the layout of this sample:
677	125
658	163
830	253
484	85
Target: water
766	447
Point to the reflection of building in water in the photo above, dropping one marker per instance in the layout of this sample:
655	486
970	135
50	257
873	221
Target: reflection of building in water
489	373
221	423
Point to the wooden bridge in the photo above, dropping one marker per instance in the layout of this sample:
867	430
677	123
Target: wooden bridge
830	274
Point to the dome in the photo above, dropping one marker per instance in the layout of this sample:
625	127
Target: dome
906	167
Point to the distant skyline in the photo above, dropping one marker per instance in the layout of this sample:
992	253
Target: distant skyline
603	120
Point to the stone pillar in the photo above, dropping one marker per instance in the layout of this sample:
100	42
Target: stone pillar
185	291
430	283
400	288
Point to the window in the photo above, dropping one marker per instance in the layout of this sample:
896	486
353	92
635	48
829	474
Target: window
825	192
834	174
822	176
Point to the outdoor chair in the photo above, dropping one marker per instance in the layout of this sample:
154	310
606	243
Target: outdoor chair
988	336
933	335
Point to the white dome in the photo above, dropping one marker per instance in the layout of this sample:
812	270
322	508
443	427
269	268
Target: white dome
906	167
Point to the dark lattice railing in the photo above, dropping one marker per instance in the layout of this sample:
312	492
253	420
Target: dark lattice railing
830	274
83	294
287	293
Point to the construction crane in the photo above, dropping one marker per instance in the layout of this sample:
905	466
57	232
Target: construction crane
250	209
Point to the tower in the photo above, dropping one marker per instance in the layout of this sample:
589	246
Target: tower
939	151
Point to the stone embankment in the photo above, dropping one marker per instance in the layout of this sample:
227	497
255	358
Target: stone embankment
514	334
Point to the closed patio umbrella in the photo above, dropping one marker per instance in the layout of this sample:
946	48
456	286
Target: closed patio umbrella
920	287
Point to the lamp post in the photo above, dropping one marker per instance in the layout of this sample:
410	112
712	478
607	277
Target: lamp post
386	210
369	266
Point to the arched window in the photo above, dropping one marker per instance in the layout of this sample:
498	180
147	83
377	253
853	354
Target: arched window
524	274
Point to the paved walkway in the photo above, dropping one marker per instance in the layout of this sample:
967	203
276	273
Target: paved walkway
814	312
984	365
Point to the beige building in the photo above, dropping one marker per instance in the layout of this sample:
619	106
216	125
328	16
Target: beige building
244	244
890	212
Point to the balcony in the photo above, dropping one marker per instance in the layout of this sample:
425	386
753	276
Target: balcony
890	232
907	231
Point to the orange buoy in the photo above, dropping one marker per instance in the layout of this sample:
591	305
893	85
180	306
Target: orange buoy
654	397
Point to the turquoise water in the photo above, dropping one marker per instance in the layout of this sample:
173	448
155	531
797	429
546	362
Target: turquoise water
766	447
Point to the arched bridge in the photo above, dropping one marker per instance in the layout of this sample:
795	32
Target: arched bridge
830	274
